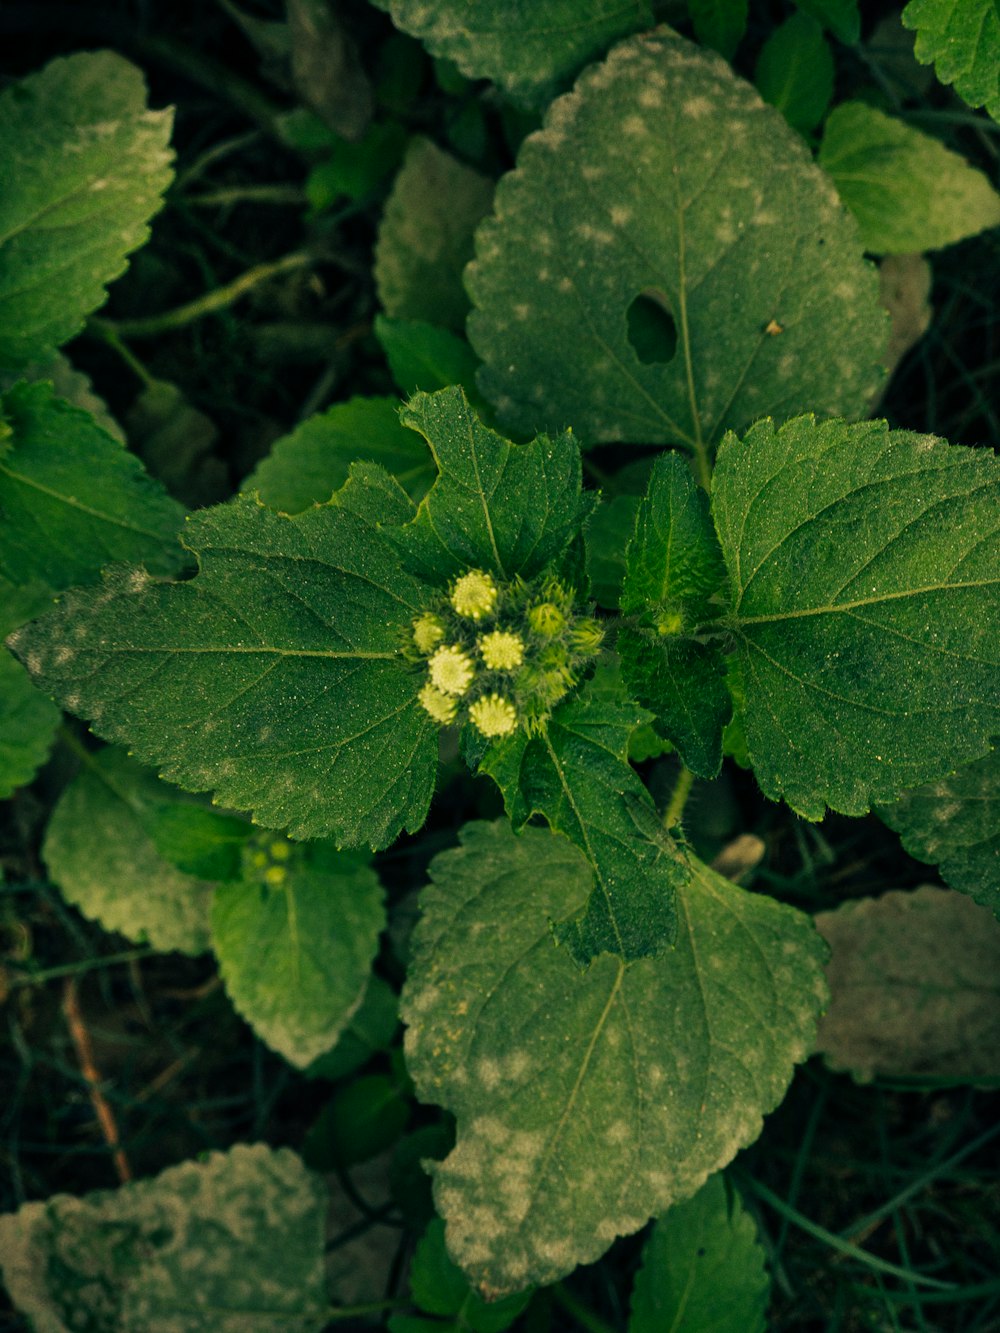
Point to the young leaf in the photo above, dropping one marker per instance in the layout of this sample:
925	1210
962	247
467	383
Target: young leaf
702	1268
719	24
673	574
274	677
915	988
306	467
425	239
907	191
72	498
425	356
864	571
576	773
795	72
664	180
85	166
98	850
587	1101
955	825
962	38
511	509
248	1225
295	939
527	50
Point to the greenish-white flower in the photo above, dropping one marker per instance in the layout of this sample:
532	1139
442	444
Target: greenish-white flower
501	650
441	707
474	595
427	633
493	715
451	670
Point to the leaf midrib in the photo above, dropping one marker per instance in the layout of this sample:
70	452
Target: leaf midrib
739	621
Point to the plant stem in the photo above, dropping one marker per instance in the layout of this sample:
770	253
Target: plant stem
75	969
209	304
584	1316
678	800
359	1311
108	333
247	194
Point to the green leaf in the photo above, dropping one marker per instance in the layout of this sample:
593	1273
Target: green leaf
198	840
425	356
72	499
863	565
577	775
719	24
355	170
674	575
309	465
28	723
915	988
664	179
795	72
955	825
425	238
274	677
85	166
907	190
295	939
962	38
510	509
587	1101
841	17
608	532
527	50
70	384
98	850
364	1118
370	1028
441	1288
247	1224
702	1268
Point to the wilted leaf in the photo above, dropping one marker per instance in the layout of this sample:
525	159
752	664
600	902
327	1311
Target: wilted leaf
915	988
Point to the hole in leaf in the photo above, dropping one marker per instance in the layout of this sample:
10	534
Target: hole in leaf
651	328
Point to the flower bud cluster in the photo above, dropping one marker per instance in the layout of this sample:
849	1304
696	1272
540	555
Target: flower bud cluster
264	859
501	655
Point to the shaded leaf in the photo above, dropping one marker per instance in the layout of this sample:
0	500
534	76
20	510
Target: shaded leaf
176	441
28	722
863	565
197	840
663	177
841	17
915	988
274	677
609	530
907	191
309	465
525	50
719	24
441	1288
955	825
72	499
369	1029
221	1245
511	509
99	851
85	166
295	939
905	282
425	356
425	237
702	1268
364	1118
795	72
326	70
587	1101
70	384
962	38
576	773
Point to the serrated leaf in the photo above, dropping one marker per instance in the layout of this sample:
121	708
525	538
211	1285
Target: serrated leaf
908	192
425	237
72	499
841	17
794	72
915	988
232	1242
28	723
511	509
587	1101
955	825
274	677
576	773
69	384
674	574
719	24
428	357
702	1268
85	166
962	38
526	50
99	852
863	565
309	465
295	940
664	177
